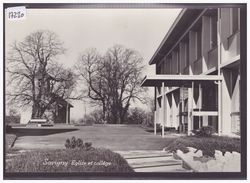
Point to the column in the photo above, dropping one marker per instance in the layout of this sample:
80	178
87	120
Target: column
219	109
155	122
182	110
163	109
190	109
200	103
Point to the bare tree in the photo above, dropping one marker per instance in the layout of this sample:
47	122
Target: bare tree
34	76
113	80
90	67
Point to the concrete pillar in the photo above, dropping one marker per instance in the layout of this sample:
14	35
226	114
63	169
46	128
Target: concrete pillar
163	109
190	109
226	101
219	109
200	104
182	110
155	122
175	111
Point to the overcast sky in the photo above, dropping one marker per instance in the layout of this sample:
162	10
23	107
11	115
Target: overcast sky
139	29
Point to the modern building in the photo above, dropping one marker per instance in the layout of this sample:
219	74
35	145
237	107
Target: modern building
197	79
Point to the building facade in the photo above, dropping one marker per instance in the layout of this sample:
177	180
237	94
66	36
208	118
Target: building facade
197	79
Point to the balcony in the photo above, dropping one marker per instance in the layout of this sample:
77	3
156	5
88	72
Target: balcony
212	58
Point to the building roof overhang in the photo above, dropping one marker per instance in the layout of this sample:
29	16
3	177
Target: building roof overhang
64	103
178	80
184	20
61	101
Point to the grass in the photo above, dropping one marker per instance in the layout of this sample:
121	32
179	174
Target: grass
208	145
69	160
116	138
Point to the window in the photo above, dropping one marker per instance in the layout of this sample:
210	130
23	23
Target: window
177	62
158	69
168	66
198	44
165	65
230	24
213	21
162	67
186	54
234	20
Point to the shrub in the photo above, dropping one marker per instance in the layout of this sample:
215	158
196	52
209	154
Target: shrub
136	116
159	129
177	145
67	143
12	119
207	145
8	128
70	143
205	131
74	143
79	143
45	161
87	145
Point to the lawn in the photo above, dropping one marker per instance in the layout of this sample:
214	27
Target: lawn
69	160
208	145
116	138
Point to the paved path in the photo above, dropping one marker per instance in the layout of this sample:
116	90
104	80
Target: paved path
116	138
152	161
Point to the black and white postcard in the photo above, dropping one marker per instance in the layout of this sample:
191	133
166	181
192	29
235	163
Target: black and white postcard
124	91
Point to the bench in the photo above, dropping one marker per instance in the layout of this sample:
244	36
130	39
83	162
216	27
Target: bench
37	122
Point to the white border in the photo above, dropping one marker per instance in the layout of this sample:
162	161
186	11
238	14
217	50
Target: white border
108	1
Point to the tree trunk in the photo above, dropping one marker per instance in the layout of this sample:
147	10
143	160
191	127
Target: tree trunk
34	110
37	111
104	112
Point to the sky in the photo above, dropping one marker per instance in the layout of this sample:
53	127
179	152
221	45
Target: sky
79	29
